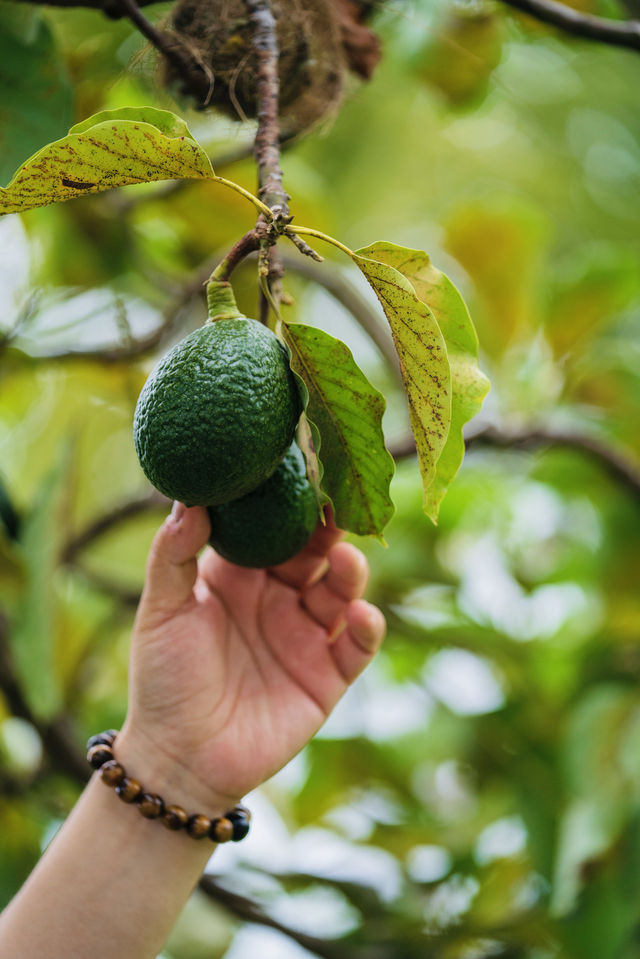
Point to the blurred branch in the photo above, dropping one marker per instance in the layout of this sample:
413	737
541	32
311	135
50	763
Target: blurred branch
56	734
161	41
137	347
249	911
620	33
617	464
98	527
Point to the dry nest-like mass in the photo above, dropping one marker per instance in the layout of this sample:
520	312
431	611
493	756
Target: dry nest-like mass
319	41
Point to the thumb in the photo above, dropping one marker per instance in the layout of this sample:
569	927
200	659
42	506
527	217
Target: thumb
172	566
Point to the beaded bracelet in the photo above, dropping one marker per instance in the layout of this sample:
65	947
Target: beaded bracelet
232	826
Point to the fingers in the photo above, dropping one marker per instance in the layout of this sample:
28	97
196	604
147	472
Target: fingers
345	580
311	562
172	565
358	643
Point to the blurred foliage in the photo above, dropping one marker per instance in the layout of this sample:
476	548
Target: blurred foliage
477	793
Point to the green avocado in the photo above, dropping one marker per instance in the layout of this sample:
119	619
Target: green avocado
270	524
217	414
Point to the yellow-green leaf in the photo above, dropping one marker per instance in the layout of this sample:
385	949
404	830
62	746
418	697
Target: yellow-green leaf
423	361
345	415
111	149
469	384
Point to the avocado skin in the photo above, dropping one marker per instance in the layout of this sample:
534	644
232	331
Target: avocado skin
217	414
270	524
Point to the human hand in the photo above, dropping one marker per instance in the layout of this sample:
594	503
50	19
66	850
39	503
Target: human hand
232	669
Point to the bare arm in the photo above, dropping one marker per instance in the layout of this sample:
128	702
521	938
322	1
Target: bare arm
232	671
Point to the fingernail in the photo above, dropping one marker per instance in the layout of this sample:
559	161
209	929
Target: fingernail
177	511
338	627
321	569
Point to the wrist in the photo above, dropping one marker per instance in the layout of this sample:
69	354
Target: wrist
162	772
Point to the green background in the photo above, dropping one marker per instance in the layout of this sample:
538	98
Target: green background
477	793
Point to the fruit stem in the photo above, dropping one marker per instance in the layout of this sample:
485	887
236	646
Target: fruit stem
246	245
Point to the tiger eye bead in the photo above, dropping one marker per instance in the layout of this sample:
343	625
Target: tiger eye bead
129	789
112	773
240	822
198	826
99	754
221	829
151	806
174	817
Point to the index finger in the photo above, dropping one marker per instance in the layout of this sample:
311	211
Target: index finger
311	562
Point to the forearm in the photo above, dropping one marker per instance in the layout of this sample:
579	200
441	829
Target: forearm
111	883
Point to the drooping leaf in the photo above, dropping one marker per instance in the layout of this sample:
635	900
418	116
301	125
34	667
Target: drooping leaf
112	149
36	102
469	385
423	361
347	413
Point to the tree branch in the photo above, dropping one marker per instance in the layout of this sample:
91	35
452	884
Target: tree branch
620	33
617	464
267	142
250	911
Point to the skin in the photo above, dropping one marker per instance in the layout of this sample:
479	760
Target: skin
232	671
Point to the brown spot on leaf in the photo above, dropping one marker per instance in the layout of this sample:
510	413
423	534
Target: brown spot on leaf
77	185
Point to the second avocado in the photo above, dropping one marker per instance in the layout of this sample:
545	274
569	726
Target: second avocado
270	524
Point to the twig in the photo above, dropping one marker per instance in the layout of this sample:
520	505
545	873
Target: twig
620	33
245	246
617	464
157	39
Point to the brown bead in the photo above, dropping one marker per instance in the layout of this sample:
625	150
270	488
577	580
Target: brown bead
221	829
198	826
175	817
99	754
129	789
112	773
151	806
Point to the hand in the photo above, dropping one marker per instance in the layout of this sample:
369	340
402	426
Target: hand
232	669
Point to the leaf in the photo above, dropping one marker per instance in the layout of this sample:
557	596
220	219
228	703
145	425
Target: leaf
423	362
469	385
33	637
36	102
308	439
347	412
112	149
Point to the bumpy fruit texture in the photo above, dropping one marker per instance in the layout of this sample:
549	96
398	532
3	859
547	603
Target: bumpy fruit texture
270	524
217	414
